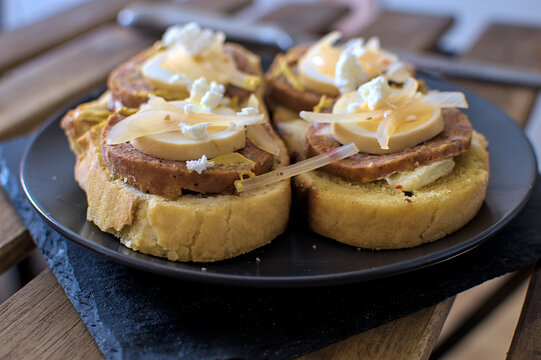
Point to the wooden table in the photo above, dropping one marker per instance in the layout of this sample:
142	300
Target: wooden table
59	59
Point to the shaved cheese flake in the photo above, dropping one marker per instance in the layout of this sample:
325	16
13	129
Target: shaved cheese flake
332	118
262	139
445	99
296	169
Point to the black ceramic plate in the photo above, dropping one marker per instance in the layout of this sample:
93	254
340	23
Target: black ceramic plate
298	257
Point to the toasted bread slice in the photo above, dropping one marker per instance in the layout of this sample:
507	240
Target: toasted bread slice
374	215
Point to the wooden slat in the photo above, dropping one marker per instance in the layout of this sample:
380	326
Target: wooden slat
15	241
39	322
51	340
412	337
31	40
35	90
407	31
306	18
526	342
58	332
224	6
516	101
507	45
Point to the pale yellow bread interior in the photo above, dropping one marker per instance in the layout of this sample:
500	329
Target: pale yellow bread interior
190	228
377	216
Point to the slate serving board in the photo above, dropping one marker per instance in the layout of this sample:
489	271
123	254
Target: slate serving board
132	314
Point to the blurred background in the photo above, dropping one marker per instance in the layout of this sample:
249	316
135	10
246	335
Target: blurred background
470	17
459	29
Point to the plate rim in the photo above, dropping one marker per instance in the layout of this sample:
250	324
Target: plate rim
340	278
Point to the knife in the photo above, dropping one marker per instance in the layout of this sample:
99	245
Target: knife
159	16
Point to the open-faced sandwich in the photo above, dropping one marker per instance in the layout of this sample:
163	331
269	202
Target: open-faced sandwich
158	155
309	76
421	171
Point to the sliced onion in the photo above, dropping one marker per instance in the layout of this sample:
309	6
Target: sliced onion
235	76
408	90
445	99
296	169
151	122
385	128
242	80
143	123
225	120
332	118
328	39
158	103
262	139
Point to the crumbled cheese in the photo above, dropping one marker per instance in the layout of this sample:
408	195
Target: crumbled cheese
420	176
375	92
198	90
397	72
248	111
411	118
179	79
348	72
192	38
353	107
199	165
373	44
355	46
219	88
211	99
208	96
189	108
196	132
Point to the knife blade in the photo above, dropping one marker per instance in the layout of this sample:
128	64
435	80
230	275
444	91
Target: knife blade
160	15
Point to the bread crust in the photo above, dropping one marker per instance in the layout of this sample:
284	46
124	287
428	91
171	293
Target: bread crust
191	228
375	216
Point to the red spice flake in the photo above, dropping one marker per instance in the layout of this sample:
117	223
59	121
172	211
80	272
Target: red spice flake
398	187
407	200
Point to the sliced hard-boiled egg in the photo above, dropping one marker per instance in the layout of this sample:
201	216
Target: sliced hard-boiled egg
330	69
317	66
380	119
173	145
162	78
192	53
424	125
